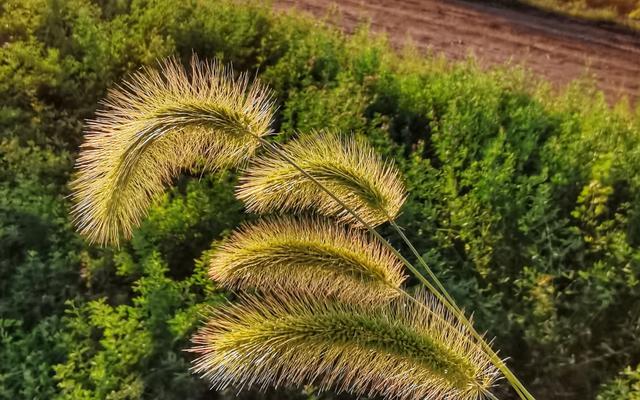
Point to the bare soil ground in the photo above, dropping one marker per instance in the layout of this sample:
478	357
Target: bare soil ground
557	47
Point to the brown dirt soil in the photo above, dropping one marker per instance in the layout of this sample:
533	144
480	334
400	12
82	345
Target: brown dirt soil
557	47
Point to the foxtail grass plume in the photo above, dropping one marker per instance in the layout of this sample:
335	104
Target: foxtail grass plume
311	254
157	123
346	166
395	351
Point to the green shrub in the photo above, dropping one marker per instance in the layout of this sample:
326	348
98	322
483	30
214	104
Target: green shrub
525	203
625	387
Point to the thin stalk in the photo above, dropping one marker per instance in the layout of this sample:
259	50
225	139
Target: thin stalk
423	263
355	215
411	298
517	385
494	357
447	301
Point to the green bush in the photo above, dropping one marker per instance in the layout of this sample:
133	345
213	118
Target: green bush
625	387
525	202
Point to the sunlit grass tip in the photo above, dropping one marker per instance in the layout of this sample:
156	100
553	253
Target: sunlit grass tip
345	165
154	125
310	254
398	350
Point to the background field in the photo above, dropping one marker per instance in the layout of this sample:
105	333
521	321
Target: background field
553	45
625	12
525	202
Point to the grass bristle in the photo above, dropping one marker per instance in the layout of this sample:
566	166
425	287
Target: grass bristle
398	350
346	166
157	123
311	254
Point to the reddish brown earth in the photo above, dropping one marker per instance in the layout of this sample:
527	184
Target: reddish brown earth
556	47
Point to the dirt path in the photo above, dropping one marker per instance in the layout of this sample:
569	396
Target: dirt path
559	48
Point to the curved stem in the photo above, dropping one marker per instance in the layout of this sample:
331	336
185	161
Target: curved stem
433	276
443	296
412	298
513	380
517	385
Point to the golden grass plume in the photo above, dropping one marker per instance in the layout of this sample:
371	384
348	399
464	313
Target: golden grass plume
155	124
398	350
346	166
311	254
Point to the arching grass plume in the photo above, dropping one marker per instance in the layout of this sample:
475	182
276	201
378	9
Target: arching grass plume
346	166
163	121
154	125
395	351
311	254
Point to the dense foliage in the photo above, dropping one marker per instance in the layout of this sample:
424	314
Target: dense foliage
526	203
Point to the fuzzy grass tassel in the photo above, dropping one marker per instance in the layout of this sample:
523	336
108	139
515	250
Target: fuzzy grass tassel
310	254
155	125
348	167
395	351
